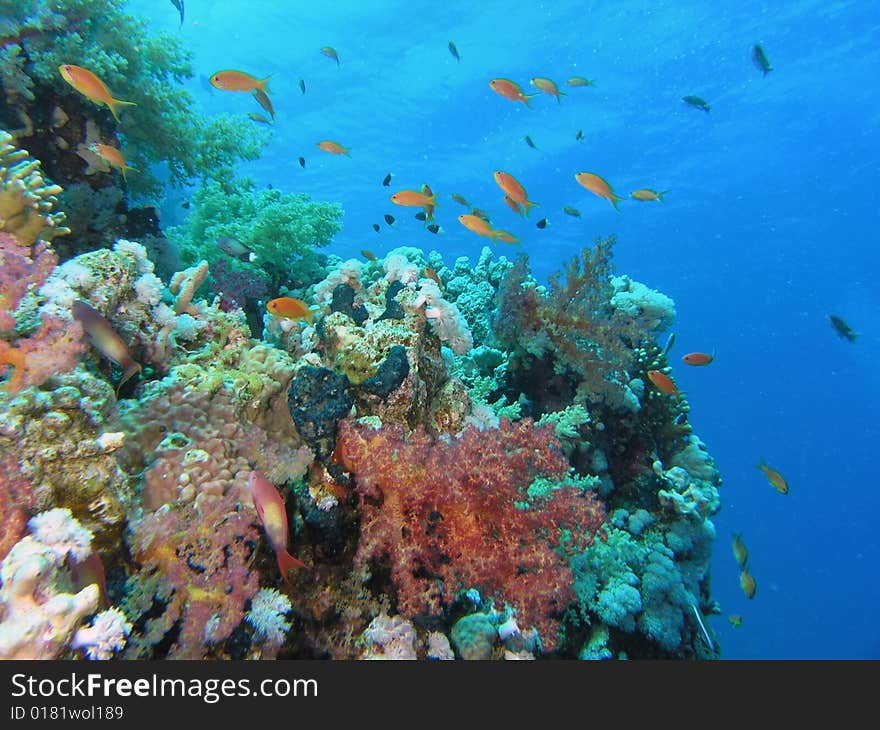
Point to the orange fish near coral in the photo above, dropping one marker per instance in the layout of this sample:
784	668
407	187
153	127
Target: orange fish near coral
777	481
598	186
663	383
510	185
431	274
270	508
90	86
698	358
334	148
510	90
290	308
232	80
477	225
548	87
113	156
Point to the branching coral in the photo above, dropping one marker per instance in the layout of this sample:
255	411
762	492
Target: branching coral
445	514
574	328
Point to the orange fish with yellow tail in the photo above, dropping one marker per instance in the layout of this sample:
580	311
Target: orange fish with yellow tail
510	90
514	189
105	340
90	86
112	156
232	80
425	198
273	515
598	186
290	308
477	225
663	383
777	481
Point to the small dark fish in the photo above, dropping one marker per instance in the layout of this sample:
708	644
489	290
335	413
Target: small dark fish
759	58
369	255
234	248
387	180
461	200
389	219
696	102
421	216
302	85
842	328
574	212
480	214
543	223
263	99
579	135
376	227
185	204
454	51
179	5
302	161
330	52
434	228
530	143
259	118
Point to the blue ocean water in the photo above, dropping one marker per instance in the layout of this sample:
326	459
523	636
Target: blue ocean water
769	225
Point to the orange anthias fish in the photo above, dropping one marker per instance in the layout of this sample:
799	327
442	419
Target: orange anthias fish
510	90
663	383
598	186
330	52
777	481
232	80
270	508
113	156
646	194
290	308
90	86
580	81
415	199
431	274
698	358
105	340
334	148
510	185
548	87
477	225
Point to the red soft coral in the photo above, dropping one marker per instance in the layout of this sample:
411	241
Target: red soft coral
444	513
16	503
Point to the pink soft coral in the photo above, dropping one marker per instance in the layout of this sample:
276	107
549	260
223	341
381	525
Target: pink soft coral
56	345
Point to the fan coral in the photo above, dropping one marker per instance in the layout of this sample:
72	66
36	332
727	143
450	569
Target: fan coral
454	514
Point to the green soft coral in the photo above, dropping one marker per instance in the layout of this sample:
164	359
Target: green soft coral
282	229
37	36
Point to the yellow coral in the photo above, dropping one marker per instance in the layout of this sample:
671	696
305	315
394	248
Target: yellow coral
27	199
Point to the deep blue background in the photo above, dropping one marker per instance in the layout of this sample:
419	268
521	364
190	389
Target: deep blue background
769	226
